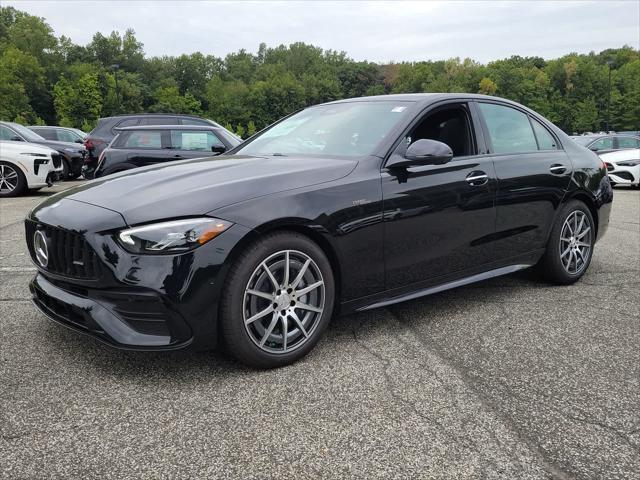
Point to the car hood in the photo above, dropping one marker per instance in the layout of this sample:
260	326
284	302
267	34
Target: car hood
196	187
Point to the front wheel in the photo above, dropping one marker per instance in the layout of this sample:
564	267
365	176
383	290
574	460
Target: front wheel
12	181
278	300
570	246
66	169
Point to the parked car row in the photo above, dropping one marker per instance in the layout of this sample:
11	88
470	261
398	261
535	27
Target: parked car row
607	142
136	140
72	153
619	151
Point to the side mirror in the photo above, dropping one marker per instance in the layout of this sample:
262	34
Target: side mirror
423	152
16	138
593	148
218	148
79	140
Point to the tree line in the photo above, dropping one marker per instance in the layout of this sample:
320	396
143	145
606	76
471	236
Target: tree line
45	79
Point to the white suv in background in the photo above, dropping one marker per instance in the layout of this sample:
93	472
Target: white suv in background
27	166
623	166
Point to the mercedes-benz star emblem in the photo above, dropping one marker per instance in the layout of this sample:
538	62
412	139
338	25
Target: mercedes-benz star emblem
41	248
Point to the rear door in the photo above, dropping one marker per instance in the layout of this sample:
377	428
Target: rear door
533	173
194	144
624	142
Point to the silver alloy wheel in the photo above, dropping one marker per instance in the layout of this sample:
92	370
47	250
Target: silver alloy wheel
8	179
283	301
575	242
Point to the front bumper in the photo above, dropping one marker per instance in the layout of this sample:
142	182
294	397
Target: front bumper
119	322
134	302
623	175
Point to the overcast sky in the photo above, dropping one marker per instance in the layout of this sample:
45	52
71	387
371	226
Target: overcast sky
375	31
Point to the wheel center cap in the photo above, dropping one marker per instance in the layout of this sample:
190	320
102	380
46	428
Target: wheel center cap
284	301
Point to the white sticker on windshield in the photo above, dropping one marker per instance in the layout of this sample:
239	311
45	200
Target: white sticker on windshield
398	109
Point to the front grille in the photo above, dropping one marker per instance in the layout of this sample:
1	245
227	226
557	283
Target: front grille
69	253
56	158
609	167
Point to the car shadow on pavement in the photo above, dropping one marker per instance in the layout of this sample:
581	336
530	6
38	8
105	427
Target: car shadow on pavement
185	365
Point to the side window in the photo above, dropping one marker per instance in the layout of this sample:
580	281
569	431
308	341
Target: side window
605	143
48	133
450	125
130	122
144	139
159	121
628	142
194	121
66	136
509	129
201	140
546	141
7	133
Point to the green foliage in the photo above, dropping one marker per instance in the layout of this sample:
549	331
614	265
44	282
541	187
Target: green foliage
78	101
48	79
251	128
168	99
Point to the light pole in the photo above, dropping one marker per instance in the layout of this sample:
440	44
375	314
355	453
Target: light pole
115	68
609	63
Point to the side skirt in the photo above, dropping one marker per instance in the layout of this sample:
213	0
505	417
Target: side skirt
445	286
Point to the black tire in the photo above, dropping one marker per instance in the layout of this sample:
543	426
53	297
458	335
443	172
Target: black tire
13	173
65	169
552	265
237	338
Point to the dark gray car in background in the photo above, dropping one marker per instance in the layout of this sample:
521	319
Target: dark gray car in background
107	128
136	147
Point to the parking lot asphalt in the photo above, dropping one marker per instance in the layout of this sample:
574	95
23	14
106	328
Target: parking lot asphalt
511	378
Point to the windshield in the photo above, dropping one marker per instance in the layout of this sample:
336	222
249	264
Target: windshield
28	135
583	140
340	129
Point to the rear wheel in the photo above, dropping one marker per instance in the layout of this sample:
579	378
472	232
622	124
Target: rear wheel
278	300
570	246
12	181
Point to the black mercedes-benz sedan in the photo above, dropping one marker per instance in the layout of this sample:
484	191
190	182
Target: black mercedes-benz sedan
345	206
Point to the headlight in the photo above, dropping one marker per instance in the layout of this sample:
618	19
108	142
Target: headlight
628	163
41	155
172	237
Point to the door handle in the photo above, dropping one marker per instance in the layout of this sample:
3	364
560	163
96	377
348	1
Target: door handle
557	168
477	178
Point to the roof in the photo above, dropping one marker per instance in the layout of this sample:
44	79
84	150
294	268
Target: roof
155	114
421	97
50	126
167	127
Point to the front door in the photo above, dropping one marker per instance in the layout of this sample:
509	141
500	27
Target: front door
440	219
194	144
